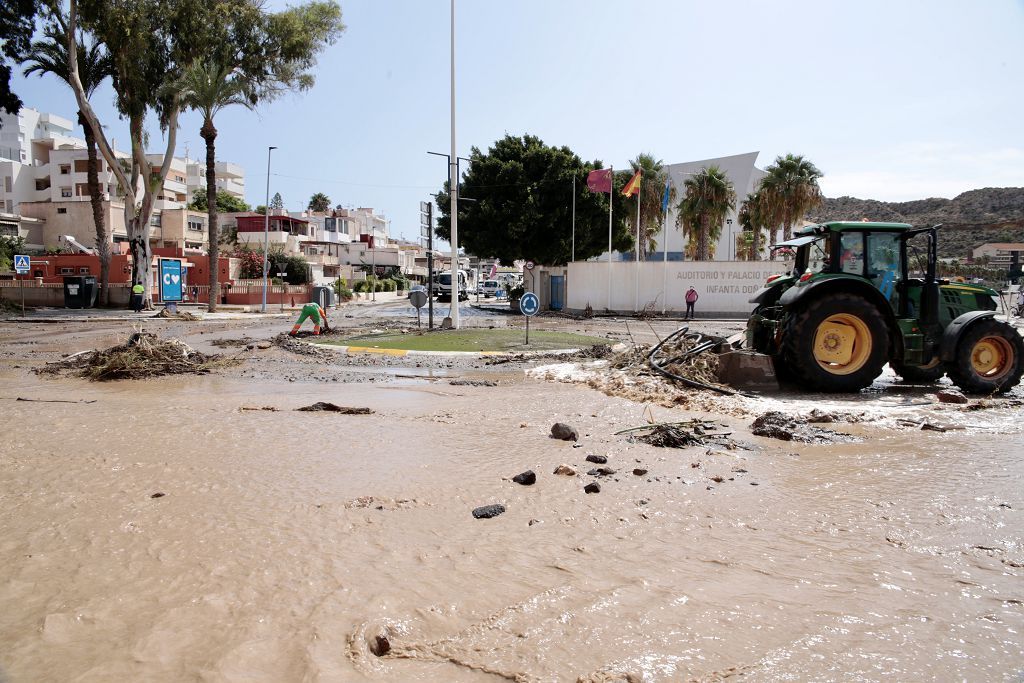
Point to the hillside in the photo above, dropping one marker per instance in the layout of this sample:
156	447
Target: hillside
992	214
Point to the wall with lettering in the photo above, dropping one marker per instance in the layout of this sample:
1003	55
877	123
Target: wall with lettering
723	287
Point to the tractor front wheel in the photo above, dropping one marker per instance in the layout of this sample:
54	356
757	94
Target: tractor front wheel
838	343
989	358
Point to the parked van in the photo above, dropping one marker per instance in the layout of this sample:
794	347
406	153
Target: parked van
444	286
490	288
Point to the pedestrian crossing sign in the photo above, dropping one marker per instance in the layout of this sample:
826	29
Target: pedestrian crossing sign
21	264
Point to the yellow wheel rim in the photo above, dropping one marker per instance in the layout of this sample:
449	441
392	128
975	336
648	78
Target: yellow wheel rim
842	344
992	357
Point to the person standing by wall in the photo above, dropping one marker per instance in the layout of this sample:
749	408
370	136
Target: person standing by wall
691	299
137	292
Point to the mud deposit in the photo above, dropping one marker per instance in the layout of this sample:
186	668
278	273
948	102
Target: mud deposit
161	532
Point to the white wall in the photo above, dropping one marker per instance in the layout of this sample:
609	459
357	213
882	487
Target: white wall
723	287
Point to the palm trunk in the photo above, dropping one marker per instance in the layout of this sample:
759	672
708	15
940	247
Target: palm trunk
755	244
702	240
209	134
96	198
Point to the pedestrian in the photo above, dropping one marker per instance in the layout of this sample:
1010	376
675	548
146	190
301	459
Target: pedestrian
137	292
691	299
195	294
314	312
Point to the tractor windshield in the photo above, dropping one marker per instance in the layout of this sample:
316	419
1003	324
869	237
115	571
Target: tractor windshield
813	257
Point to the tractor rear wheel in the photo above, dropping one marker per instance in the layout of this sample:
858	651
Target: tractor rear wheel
921	374
838	343
989	358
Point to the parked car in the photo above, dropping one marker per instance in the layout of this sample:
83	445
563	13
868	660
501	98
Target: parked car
490	288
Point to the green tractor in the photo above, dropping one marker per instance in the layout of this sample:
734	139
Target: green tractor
865	294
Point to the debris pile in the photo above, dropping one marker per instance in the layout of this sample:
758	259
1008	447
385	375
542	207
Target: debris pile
180	315
325	407
143	355
776	425
681	434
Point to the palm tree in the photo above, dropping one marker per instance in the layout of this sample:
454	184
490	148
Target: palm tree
791	190
50	56
652	188
709	197
208	87
756	216
320	202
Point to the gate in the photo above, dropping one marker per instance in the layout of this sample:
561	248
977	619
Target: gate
557	292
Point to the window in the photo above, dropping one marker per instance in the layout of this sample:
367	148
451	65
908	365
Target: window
84	270
8	229
851	253
62	210
7	183
65	192
884	261
154	220
9	206
67	271
65	169
195	224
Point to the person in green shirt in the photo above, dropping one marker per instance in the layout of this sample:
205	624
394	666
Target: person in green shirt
314	313
137	292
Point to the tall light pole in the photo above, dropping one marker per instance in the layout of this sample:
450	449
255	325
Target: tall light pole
266	235
453	174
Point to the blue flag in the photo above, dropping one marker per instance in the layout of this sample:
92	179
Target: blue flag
664	200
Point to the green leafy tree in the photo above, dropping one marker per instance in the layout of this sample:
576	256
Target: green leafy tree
17	24
9	246
50	56
791	190
276	203
523	205
227	203
320	202
652	189
238	70
708	197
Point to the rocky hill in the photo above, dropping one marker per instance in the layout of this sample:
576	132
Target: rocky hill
992	214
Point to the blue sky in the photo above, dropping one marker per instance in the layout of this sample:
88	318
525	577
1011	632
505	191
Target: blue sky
892	100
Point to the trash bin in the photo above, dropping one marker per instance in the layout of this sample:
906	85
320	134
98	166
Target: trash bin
323	296
77	293
91	290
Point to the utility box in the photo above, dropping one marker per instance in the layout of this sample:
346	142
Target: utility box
80	291
323	296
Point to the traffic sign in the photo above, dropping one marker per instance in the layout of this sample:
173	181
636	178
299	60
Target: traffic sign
21	264
529	265
418	298
529	304
170	280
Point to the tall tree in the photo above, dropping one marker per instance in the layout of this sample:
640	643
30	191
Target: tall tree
50	56
276	203
226	203
320	202
522	208
755	216
708	197
229	75
17	24
652	189
791	190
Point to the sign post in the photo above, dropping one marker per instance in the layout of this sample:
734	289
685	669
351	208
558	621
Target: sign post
529	304
170	283
427	233
21	267
417	299
284	288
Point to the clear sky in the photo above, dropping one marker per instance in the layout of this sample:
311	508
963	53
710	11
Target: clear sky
892	100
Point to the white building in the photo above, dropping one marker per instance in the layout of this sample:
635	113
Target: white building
230	178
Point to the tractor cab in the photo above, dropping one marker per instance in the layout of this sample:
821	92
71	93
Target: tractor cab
863	294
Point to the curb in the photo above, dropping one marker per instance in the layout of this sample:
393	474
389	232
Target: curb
358	350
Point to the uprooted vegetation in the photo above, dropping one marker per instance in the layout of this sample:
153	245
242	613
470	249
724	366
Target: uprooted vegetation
144	355
682	434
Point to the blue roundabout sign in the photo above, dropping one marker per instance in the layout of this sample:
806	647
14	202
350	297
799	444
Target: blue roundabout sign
529	304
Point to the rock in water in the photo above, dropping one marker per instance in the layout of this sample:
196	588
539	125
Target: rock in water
380	646
527	478
639	471
566	470
951	396
599	459
592	487
601	472
488	511
562	431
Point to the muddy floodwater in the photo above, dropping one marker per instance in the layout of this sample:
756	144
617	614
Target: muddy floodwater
161	531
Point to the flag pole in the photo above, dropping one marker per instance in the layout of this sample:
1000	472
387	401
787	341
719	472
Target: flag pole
611	201
636	267
573	217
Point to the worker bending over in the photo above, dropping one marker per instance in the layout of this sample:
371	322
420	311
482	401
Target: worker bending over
314	313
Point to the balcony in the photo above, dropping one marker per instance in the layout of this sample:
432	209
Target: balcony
229	170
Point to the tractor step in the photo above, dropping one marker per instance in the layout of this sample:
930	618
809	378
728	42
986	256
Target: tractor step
747	370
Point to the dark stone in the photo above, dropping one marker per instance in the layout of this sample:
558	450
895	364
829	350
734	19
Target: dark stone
488	511
639	471
380	646
527	478
601	471
562	431
951	396
599	459
592	487
158	494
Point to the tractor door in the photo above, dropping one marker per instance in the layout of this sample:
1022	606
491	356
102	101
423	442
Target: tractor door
883	264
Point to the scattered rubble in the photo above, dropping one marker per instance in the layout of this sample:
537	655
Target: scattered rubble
598	459
324	406
180	315
592	487
776	425
951	396
527	478
143	355
565	470
488	511
473	383
681	434
562	431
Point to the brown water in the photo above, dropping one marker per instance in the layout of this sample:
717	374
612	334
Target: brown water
285	541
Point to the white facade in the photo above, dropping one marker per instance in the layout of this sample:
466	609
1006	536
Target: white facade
230	178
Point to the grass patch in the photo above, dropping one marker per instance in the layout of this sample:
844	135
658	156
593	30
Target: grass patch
472	339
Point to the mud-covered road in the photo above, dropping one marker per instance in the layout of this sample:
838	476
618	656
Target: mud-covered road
173	529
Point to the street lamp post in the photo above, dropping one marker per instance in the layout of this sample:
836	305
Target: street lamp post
266	235
453	173
732	242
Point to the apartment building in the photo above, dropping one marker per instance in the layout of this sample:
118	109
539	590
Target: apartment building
229	178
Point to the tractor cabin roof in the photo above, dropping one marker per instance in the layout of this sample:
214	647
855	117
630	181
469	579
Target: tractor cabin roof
840	226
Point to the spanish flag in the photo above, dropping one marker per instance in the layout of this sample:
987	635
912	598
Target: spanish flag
633	186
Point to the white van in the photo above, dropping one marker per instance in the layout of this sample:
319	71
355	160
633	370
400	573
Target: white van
444	286
490	288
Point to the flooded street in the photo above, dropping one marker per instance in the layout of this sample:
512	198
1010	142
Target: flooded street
285	543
